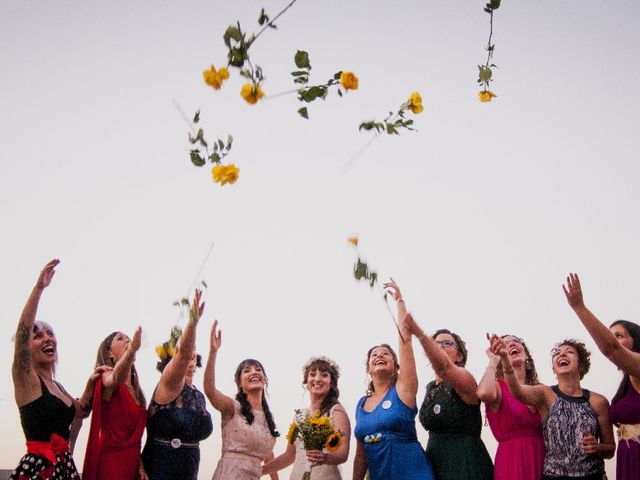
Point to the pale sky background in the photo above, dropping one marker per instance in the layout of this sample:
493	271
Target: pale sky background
479	215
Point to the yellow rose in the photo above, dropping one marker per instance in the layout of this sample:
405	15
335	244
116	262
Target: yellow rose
171	350
215	78
415	103
486	95
161	351
251	94
224	174
353	241
349	81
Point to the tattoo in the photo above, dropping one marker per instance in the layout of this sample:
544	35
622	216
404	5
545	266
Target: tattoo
22	346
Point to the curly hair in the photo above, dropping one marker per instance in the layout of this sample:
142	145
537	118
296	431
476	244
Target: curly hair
324	366
633	330
584	355
370	387
245	406
460	345
531	374
104	359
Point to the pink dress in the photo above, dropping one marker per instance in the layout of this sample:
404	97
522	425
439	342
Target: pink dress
518	431
244	447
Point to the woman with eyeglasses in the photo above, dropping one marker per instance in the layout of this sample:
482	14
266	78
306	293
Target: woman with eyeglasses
516	427
575	421
450	411
620	343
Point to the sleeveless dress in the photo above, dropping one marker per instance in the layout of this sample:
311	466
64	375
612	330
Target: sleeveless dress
244	446
626	413
320	472
45	423
390	441
518	430
113	447
454	427
173	432
562	430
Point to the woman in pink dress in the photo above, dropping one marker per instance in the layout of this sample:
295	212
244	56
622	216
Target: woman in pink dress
516	427
620	343
248	430
119	414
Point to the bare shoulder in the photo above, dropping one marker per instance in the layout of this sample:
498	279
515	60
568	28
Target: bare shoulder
598	401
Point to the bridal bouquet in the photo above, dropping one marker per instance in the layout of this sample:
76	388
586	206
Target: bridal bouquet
316	432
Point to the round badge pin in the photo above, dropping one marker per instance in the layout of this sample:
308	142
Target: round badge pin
436	409
386	404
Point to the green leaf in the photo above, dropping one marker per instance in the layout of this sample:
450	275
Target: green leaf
263	18
339	92
302	59
229	142
220	144
485	73
391	129
215	157
232	32
303	112
196	117
337	75
196	158
299	73
204	284
236	57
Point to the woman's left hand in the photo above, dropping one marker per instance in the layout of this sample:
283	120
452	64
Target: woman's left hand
316	457
589	443
393	289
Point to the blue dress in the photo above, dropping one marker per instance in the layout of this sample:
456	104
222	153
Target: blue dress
390	441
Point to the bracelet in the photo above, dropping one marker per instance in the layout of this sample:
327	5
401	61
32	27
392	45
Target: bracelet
400	300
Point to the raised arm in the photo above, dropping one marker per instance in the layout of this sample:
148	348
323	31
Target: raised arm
624	359
172	379
22	368
220	401
407	383
488	390
122	369
538	396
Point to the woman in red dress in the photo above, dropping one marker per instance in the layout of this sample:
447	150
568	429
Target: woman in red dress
119	414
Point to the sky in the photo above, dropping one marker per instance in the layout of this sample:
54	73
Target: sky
479	214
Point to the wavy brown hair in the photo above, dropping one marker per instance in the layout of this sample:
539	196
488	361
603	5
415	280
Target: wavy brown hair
530	372
370	388
104	359
332	397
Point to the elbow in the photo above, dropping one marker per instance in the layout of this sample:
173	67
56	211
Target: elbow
485	395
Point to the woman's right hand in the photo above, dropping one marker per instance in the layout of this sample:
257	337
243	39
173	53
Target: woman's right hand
215	341
392	287
47	273
136	341
499	348
197	308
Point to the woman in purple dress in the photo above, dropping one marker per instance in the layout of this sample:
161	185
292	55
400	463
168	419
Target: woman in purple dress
516	427
620	343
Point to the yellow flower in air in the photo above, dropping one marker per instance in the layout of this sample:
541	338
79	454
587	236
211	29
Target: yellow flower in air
224	174
486	95
348	81
353	241
161	351
171	350
215	78
415	103
251	94
333	442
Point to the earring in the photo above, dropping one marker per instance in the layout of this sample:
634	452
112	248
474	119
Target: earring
527	365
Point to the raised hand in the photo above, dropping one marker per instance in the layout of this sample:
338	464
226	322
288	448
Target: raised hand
392	287
136	341
47	273
197	308
499	348
573	292
493	358
215	341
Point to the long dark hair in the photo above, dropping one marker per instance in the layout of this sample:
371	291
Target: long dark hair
245	406
323	366
633	329
103	358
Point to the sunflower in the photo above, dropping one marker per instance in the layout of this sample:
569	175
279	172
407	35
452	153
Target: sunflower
333	441
292	434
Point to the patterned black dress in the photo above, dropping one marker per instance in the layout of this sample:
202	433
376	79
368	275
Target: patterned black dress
45	423
174	431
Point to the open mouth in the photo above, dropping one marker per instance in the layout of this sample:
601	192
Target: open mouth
380	362
563	362
514	351
49	350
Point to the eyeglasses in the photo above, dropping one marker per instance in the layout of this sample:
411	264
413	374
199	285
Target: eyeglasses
513	339
446	343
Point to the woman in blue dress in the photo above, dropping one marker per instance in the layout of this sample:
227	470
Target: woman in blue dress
387	444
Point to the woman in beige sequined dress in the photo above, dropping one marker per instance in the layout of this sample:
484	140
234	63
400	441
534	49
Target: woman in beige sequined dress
320	377
248	430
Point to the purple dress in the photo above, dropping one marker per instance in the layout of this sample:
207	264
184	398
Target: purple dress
518	431
626	412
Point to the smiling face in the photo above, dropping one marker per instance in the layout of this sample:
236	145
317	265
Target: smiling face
250	376
318	382
43	344
448	343
515	349
118	346
564	359
381	362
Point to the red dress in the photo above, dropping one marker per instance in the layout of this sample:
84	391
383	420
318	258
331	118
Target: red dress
117	425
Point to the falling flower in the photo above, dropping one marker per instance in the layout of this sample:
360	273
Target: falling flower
349	81
486	95
415	103
353	241
224	174
251	93
215	78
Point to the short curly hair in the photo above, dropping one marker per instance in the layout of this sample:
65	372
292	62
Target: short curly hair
584	355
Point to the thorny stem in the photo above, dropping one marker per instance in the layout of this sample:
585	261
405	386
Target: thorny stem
270	23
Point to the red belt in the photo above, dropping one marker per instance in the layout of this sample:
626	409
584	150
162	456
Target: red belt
48	450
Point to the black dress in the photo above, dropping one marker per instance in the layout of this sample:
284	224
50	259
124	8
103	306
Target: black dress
45	423
173	433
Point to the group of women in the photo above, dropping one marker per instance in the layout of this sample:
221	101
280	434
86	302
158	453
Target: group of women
562	431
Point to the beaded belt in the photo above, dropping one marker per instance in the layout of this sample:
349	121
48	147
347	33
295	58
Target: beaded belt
175	443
